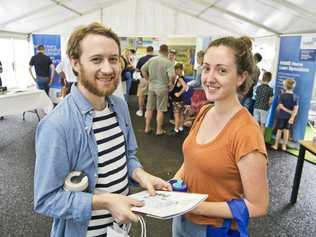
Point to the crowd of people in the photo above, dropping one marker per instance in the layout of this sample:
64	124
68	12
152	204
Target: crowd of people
224	152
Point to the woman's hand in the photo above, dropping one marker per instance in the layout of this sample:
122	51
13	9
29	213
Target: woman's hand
150	182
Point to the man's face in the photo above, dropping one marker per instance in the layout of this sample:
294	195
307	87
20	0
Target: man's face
98	66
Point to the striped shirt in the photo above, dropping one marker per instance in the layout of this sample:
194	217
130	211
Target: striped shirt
112	166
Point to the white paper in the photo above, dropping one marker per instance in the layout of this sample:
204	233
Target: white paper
166	205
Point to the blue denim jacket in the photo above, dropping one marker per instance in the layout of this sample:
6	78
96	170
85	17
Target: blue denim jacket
65	142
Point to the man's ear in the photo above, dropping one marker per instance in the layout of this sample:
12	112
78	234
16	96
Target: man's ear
75	64
242	78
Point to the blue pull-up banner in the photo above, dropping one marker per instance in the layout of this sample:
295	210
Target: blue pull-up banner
296	61
52	50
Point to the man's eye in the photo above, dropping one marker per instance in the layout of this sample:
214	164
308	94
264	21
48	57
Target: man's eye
96	60
113	60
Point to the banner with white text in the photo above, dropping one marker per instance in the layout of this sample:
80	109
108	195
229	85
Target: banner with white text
296	61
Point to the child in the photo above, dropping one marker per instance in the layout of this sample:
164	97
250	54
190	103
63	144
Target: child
176	92
287	110
263	100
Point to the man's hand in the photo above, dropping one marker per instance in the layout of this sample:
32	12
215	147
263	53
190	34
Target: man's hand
119	206
177	94
150	182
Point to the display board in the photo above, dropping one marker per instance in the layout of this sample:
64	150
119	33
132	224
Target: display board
296	61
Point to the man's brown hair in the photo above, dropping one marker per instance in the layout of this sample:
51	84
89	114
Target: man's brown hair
73	46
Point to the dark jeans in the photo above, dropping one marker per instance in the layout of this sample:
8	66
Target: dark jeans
43	83
128	77
249	104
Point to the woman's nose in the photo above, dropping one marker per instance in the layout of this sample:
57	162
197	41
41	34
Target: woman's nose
210	76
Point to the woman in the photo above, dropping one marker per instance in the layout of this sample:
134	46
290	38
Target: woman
224	153
198	98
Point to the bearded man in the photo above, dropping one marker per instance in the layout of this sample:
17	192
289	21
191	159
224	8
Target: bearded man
90	131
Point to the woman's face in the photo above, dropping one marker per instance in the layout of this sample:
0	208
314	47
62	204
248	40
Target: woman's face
220	79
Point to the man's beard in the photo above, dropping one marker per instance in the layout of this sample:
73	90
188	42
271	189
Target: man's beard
91	87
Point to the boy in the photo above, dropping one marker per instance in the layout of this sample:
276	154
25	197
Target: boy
287	110
263	100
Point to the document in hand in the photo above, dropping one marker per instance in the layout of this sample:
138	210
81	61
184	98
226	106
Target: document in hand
166	205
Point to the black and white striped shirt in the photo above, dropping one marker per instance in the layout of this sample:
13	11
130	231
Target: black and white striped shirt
112	166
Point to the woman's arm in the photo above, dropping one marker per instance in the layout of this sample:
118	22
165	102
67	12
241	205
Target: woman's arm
179	174
253	172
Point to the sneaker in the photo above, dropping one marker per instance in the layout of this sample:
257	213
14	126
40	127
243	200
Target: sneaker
173	133
139	113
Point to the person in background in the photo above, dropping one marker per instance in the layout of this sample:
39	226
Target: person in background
159	72
44	69
224	153
172	56
127	74
142	89
198	98
175	94
1	70
64	69
248	101
90	131
286	113
263	100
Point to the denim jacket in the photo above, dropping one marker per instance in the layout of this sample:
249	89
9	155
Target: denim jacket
65	142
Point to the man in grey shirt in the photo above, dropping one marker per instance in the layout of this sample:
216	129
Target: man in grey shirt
159	71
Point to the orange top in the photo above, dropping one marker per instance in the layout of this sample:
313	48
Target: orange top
212	167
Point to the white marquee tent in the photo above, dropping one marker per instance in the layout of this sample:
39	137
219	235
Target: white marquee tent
264	20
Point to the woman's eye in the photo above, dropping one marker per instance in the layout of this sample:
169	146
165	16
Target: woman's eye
205	69
222	70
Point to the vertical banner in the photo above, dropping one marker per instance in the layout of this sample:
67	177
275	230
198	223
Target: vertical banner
299	64
52	49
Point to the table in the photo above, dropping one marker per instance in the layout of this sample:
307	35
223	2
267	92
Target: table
304	145
20	101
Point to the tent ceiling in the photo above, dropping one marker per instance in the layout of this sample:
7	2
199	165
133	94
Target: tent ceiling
257	18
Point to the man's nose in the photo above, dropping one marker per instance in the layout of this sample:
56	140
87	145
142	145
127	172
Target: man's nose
106	67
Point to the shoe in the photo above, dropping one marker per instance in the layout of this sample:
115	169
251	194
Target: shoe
274	148
174	133
172	121
162	132
139	113
150	131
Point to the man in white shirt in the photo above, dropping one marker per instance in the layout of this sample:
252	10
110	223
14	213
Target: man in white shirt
64	69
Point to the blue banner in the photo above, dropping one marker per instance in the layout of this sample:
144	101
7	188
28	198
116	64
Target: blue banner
303	72
52	49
